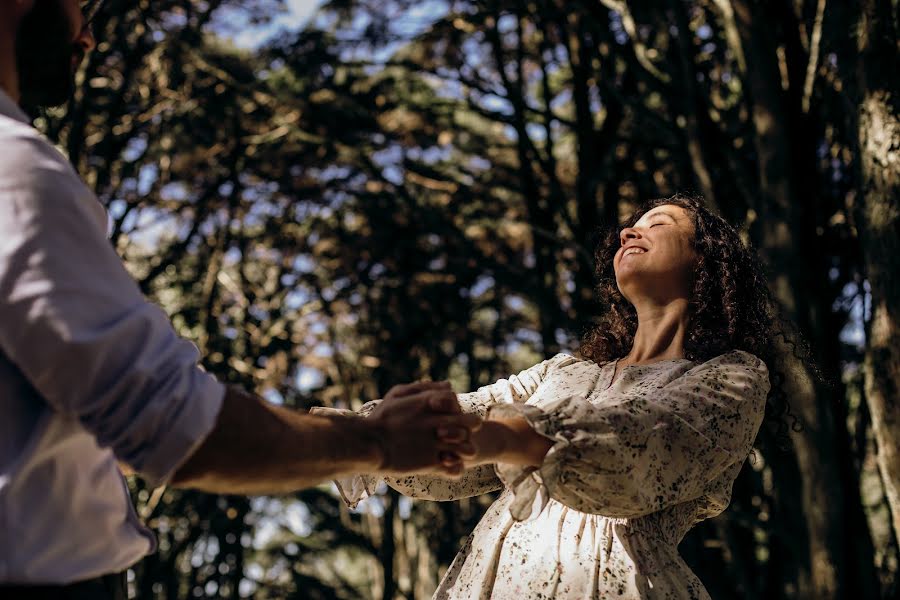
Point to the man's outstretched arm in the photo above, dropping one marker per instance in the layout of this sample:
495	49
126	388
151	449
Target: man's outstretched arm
258	448
77	326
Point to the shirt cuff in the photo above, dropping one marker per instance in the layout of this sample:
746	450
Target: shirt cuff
353	488
197	418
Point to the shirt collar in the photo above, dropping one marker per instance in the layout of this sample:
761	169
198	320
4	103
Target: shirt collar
10	109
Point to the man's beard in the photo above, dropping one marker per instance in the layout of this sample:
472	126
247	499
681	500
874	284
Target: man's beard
45	50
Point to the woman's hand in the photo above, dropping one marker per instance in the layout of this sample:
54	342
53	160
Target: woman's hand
509	441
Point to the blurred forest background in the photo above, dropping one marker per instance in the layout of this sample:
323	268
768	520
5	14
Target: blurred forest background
403	189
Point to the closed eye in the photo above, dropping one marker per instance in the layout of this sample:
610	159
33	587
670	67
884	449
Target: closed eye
655	224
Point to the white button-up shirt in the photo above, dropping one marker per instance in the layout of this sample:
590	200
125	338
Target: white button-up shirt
90	371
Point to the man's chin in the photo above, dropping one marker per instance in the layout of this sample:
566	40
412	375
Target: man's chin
42	97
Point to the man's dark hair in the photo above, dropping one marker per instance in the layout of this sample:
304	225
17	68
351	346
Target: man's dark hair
45	50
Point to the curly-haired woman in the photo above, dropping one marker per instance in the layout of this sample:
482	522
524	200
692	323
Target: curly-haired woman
609	459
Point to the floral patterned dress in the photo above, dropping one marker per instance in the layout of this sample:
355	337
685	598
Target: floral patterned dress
636	463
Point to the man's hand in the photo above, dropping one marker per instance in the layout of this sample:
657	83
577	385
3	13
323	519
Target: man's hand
421	428
258	448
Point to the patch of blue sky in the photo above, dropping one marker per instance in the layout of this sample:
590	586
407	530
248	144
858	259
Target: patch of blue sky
704	32
854	331
536	131
324	350
431	155
205	553
211	224
272	395
447	84
479	163
259	214
231	257
506	23
176	191
530	260
595	100
303	211
496	104
147	228
276	515
147	176
404	507
562	100
296	298
318	327
329	173
387	156
617	28
336	199
564	339
117	208
527	336
226	188
412	22
482	285
394	174
515	303
419	17
134	149
129	221
234	23
473	47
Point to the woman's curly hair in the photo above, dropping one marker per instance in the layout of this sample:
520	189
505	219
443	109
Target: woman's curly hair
731	306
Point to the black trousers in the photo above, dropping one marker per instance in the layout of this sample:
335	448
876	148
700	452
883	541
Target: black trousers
108	587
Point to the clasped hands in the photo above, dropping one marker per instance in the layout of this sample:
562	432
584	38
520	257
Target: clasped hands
420	428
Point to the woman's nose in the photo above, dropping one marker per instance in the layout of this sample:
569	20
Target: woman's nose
629	233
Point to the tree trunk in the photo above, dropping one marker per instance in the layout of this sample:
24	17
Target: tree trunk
786	237
878	222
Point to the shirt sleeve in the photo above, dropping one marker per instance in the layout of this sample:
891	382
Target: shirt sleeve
638	454
474	481
76	324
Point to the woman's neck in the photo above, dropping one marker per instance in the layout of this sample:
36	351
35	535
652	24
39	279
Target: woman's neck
661	332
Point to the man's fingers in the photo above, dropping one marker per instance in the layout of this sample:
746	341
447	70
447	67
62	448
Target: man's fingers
448	458
408	389
452	434
451	464
454	428
435	401
443	402
468	421
461	450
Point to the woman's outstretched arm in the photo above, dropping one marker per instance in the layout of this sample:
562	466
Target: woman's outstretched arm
475	480
636	455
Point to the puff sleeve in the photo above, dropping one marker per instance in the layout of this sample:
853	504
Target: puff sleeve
640	453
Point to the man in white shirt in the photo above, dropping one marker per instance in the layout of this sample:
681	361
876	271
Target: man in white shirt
92	373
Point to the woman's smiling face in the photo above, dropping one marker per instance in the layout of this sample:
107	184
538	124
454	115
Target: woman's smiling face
656	257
